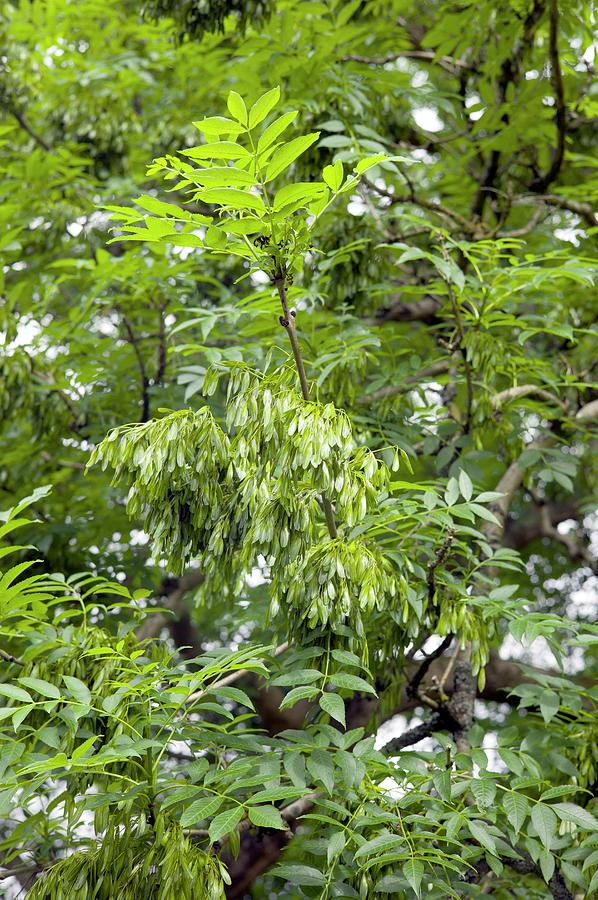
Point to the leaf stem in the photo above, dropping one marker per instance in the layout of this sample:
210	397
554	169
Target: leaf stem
287	320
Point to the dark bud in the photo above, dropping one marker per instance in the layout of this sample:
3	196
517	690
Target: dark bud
293	313
284	322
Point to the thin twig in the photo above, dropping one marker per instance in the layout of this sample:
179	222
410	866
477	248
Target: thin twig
287	320
10	658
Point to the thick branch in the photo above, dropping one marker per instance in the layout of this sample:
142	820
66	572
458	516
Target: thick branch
172	590
423	310
508	75
560	115
414	735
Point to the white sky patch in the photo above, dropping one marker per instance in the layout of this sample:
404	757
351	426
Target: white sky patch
356	206
426	117
419	79
26	333
569	234
259	278
474	100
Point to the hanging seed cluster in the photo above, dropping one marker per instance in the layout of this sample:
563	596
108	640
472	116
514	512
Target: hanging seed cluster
177	466
229	498
335	584
134	863
457	616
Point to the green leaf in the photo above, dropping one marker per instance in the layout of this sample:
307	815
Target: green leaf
295	873
451	495
233	198
217	125
484	791
516	807
465	485
334	706
232	693
390	884
236	107
274	130
15	693
479	832
77	689
545	823
21	714
442	783
379	844
369	162
197	769
266	817
333	175
299	676
292	193
82	749
217	150
182	794
42	687
347	658
336	844
224	176
483	513
277	793
571	812
298	693
511	760
263	106
288	153
547	865
413	870
321	767
351	682
225	822
294	766
549	705
201	809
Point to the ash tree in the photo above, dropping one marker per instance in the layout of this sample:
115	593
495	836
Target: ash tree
297	583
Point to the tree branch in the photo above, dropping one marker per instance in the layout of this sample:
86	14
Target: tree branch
556	78
524	390
448	63
173	590
145	400
422	310
508	75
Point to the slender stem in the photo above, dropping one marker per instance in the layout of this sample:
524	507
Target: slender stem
287	320
10	658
